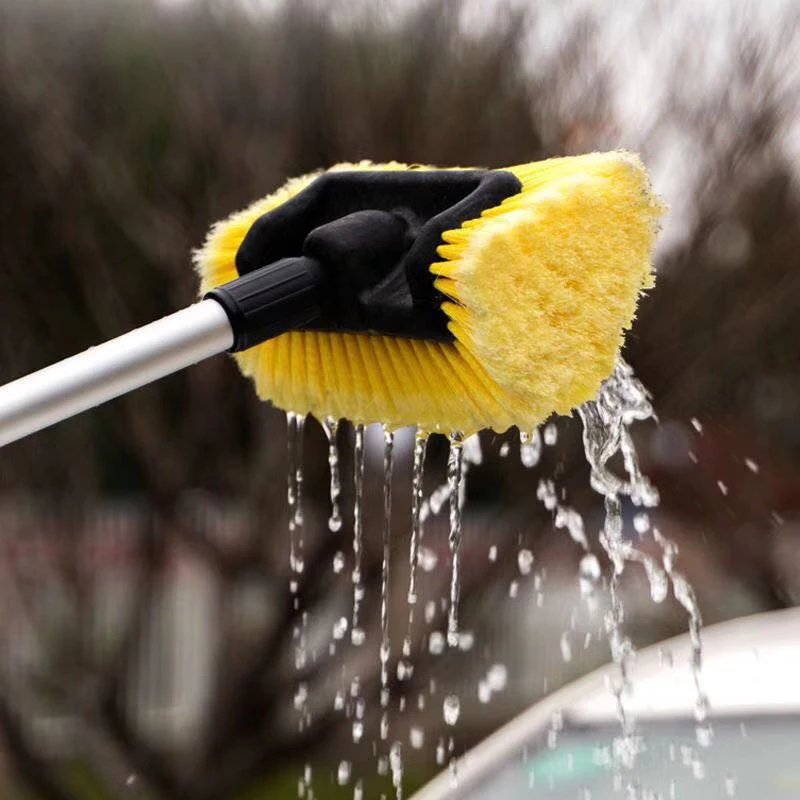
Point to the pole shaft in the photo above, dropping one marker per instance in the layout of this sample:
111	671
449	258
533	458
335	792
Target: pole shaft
112	369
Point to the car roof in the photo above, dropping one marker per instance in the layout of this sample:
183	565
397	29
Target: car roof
749	668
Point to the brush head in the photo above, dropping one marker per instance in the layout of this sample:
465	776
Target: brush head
531	298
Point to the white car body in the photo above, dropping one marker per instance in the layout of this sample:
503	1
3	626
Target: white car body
751	678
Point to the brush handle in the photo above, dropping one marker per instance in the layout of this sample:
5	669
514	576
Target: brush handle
111	369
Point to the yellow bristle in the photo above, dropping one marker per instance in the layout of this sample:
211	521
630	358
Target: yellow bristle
541	289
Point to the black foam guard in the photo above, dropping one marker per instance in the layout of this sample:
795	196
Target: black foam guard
376	234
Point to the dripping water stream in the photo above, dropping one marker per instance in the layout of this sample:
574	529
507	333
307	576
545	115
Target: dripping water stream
294	496
455	475
404	667
622	401
356	633
385	651
331	427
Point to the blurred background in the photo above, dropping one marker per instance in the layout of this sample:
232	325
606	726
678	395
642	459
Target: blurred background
146	627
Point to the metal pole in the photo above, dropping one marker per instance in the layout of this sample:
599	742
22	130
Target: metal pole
111	369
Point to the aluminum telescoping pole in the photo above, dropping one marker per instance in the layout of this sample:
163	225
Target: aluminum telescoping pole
111	369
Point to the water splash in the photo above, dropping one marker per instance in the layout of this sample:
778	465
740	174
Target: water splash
603	423
417	488
331	427
623	400
385	650
356	633
455	475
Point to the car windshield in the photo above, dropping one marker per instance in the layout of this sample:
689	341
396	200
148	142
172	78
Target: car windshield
748	758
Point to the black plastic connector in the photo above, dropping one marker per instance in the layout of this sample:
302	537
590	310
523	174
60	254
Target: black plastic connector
352	253
271	300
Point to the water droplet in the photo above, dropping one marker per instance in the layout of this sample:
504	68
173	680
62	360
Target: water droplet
338	562
696	424
730	785
566	647
441	753
550	434
589	574
752	465
436	642
571	520
722	488
343	773
451	708
466	640
701	708
493	553
430	611
641	523
546	493
357	636
525	561
338	700
416	737
130	780
530	448
428	559
484	691
358	730
497	677
340	628
300	696
358	791
383	765
405	669
504	448
705	735
513	589
698	770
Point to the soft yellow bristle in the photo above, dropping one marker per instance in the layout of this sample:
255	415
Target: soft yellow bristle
541	287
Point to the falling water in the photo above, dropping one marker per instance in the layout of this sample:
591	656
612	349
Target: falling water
294	437
685	595
385	652
621	401
335	521
455	474
300	422
404	666
294	496
356	633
